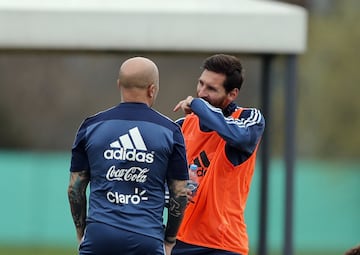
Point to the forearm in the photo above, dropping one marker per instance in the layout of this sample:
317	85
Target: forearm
212	119
178	201
242	133
78	201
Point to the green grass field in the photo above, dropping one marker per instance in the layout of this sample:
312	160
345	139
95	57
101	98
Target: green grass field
32	250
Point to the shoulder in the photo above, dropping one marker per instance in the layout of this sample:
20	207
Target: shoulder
180	121
99	116
164	120
250	116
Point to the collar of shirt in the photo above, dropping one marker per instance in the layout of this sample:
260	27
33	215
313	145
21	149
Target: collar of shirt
228	110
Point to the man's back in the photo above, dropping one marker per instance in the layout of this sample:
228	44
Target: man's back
127	154
128	150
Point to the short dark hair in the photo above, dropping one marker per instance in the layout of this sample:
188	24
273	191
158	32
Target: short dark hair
228	65
353	251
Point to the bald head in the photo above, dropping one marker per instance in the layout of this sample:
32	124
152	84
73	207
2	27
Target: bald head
138	72
139	80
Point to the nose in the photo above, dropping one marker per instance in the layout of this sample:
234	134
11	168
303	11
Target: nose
201	92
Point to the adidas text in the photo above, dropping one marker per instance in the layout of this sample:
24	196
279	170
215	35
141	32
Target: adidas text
130	155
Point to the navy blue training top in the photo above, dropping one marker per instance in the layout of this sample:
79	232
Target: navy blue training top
130	150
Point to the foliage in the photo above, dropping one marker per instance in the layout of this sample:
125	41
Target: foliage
328	105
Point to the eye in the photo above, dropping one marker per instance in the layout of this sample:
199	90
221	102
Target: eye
211	88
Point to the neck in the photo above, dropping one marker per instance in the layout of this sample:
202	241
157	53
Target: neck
135	99
135	102
229	109
135	96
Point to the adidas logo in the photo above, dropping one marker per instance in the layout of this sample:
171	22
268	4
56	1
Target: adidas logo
203	163
130	147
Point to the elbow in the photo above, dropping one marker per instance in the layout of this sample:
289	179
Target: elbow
70	191
178	187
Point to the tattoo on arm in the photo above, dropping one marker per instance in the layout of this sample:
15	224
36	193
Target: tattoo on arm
77	199
178	201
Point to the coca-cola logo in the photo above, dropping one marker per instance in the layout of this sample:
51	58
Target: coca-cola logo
133	174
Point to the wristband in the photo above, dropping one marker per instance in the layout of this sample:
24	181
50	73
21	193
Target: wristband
170	241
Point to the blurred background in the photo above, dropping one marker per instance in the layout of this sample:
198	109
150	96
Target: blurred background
45	95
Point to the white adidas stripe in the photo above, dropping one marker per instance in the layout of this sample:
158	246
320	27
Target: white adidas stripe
134	141
254	118
137	139
126	142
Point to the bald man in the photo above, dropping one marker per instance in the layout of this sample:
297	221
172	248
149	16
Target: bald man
127	153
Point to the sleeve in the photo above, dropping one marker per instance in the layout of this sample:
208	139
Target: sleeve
79	158
242	133
180	121
177	166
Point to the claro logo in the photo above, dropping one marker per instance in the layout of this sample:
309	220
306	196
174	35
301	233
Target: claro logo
130	147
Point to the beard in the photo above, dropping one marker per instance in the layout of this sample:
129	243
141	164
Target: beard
218	103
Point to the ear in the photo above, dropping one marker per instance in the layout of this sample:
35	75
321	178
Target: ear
118	83
151	91
233	94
